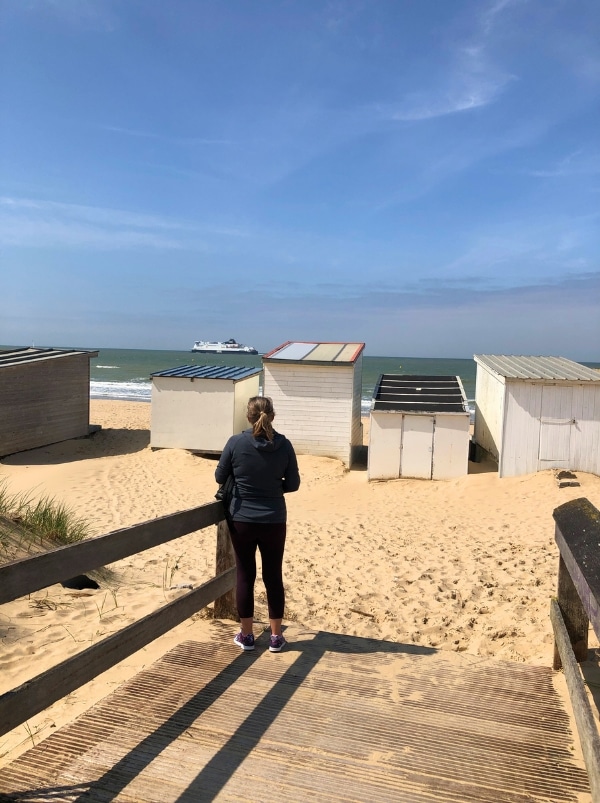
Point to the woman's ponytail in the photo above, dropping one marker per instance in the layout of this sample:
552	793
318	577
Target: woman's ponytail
261	415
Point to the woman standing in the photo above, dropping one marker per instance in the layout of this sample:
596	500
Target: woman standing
264	467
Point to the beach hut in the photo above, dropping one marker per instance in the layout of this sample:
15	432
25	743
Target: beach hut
534	413
316	390
198	407
419	427
44	397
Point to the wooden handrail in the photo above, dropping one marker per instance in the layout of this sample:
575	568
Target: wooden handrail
577	534
33	696
30	574
33	573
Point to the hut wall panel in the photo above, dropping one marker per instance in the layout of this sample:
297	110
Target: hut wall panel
356	438
539	433
556	425
385	445
489	411
450	446
313	406
520	450
585	433
44	402
194	415
243	390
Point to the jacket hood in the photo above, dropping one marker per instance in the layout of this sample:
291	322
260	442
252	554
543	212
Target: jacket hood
262	443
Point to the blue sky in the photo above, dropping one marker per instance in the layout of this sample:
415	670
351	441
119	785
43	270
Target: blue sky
421	176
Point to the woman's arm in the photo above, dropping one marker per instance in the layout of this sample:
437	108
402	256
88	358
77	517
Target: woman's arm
224	467
291	480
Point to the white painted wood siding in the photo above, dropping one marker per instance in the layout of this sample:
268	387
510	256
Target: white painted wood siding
451	446
421	446
550	426
313	406
198	415
356	438
585	434
489	411
385	445
417	447
520	449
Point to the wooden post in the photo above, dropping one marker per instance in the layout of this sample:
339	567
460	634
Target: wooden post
225	607
582	710
575	618
577	536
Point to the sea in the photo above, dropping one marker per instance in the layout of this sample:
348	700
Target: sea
125	374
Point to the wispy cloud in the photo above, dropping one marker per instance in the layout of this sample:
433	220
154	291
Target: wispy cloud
577	163
472	83
36	223
489	16
471	79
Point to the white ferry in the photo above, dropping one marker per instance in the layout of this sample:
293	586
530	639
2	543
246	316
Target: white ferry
230	346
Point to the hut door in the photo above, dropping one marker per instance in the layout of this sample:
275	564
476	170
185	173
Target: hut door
555	427
417	447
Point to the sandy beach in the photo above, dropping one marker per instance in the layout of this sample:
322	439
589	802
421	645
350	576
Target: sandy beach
468	565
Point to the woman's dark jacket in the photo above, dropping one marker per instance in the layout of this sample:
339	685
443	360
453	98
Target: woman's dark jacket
263	471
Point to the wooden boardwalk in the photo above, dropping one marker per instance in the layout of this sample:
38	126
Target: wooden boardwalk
331	718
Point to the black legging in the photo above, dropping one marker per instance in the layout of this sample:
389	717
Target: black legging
270	540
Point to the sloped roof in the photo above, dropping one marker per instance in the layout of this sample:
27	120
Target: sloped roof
14	357
311	352
416	393
233	372
558	368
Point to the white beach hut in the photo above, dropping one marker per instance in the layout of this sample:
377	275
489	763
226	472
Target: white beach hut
419	427
534	413
198	407
316	390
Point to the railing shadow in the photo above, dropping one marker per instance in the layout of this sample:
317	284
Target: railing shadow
219	769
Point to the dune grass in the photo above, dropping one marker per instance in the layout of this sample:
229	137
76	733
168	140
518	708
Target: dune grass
45	518
29	526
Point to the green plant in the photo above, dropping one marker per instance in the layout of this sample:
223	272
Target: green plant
45	518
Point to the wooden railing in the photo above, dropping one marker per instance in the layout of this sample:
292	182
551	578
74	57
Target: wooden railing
31	574
577	604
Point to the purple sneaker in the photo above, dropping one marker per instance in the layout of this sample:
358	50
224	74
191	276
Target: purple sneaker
244	642
276	643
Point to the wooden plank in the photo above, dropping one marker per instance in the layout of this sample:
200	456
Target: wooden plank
574	616
225	607
334	718
582	710
30	574
578	535
35	695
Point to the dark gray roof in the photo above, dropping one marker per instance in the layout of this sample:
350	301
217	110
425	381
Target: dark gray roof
233	372
557	368
30	355
416	393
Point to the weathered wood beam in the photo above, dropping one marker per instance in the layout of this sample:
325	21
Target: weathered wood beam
578	537
30	574
225	607
582	710
33	696
574	616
